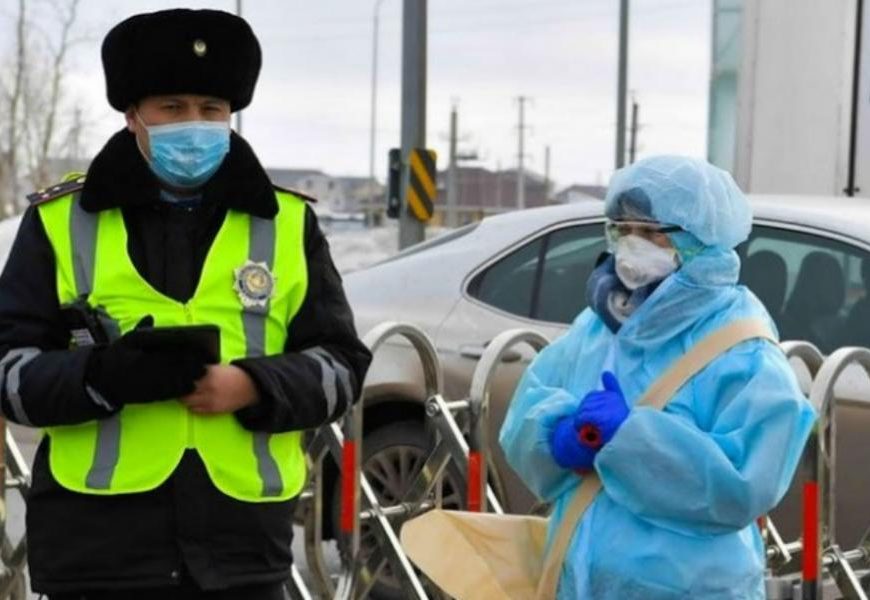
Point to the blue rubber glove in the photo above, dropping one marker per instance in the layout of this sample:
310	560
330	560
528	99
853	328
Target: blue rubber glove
601	413
566	448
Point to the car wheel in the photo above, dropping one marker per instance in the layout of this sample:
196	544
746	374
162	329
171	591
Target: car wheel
392	457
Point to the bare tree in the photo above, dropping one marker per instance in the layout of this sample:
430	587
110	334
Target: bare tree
35	110
9	171
43	124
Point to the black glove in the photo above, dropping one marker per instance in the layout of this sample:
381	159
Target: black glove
123	374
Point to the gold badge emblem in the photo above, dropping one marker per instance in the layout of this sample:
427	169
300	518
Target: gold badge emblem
200	48
255	284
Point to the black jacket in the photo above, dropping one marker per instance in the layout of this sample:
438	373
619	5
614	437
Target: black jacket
80	541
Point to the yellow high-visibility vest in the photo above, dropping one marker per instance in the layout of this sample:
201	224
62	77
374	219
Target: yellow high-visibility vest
139	447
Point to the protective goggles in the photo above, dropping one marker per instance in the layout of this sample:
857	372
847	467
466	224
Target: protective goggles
654	232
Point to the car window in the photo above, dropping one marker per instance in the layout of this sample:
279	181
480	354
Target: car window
570	257
509	283
546	278
815	288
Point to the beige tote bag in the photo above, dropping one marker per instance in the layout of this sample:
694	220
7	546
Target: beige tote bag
485	556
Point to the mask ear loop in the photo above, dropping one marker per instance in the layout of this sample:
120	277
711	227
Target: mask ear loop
686	245
138	145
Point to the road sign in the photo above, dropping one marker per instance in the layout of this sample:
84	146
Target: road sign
422	188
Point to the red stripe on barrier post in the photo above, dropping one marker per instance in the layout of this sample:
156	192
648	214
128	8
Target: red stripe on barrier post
348	488
761	522
811	531
475	503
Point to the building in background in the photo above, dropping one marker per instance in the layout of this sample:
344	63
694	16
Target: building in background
335	195
481	192
580	193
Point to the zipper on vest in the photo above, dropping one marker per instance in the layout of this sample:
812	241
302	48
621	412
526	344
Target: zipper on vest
190	441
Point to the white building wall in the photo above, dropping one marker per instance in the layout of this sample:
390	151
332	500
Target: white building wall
862	158
794	98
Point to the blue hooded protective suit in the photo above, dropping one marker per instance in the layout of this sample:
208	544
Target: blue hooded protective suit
682	487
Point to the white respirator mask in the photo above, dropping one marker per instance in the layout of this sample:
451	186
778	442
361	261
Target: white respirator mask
640	262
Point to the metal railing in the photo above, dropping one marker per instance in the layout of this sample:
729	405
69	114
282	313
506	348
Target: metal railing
825	569
802	568
15	475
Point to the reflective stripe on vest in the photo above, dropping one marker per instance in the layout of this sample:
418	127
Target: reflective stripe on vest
262	249
139	447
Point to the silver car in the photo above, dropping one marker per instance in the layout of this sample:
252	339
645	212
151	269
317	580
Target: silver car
808	260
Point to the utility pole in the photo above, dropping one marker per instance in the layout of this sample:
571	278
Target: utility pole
412	231
452	170
239	113
621	84
547	175
521	154
498	199
456	157
632	149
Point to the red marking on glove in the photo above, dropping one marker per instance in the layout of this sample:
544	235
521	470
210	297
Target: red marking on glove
589	435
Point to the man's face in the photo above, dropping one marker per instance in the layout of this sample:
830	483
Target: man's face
175	108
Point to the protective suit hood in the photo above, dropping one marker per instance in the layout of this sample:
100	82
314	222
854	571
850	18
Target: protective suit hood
676	190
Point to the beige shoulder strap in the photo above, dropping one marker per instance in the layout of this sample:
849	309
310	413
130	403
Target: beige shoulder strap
657	396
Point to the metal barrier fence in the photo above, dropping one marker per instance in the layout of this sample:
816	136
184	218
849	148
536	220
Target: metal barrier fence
15	475
810	568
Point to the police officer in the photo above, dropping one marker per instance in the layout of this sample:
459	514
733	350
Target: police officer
166	473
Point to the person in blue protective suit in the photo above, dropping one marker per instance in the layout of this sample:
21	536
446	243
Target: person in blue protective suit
682	487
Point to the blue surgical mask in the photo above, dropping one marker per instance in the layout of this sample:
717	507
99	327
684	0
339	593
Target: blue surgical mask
187	154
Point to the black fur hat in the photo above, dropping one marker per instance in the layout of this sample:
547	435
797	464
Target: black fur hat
181	51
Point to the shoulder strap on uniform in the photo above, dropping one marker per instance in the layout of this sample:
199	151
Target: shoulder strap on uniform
297	193
72	182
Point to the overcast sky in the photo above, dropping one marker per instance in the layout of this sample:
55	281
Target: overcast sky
311	108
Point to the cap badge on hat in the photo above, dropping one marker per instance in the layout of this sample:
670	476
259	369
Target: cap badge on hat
200	48
254	283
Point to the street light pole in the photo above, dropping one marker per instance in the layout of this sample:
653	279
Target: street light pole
374	115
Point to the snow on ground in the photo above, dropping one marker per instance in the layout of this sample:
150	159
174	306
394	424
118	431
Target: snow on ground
354	249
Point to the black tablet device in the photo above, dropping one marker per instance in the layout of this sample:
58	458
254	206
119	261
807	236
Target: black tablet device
203	337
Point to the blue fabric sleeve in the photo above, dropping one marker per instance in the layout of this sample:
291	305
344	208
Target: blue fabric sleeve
717	461
538	403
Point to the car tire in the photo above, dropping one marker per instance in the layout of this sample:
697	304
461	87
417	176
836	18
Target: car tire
392	456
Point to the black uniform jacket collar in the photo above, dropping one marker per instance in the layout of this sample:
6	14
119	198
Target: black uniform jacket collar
119	177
